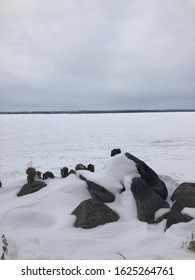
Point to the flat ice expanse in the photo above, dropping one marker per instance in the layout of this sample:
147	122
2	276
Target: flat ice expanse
40	225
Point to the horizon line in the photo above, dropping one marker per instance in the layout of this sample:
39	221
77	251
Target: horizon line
96	111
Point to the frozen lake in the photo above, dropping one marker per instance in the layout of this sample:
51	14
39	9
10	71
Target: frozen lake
166	141
41	225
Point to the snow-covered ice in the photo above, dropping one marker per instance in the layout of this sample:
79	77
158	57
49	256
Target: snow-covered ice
40	225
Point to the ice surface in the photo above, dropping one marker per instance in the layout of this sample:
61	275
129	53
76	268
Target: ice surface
40	225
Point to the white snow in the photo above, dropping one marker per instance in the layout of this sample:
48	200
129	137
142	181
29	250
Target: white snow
40	225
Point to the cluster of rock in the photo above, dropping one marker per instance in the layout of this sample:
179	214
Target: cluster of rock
33	174
150	194
149	191
93	212
35	177
65	171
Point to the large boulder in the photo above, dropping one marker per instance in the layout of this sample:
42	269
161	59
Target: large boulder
148	175
98	192
91	213
147	200
184	189
175	215
31	187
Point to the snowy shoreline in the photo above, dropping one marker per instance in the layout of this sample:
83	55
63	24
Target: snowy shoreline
40	225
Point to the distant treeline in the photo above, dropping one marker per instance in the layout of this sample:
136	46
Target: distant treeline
98	111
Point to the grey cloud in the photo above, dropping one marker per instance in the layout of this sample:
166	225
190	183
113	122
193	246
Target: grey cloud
95	54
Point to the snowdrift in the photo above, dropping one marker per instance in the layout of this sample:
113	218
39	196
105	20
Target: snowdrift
41	225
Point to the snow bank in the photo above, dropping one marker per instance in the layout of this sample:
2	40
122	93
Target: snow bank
40	225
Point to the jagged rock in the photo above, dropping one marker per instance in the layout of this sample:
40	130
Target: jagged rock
148	175
31	187
48	174
92	213
115	152
184	189
147	200
175	216
98	192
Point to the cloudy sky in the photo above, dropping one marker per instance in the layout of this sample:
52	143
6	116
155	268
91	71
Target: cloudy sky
97	54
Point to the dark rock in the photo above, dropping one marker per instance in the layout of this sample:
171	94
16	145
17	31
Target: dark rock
115	152
0	184
91	167
48	174
72	171
92	213
184	189
38	174
149	176
82	178
98	192
31	173
161	218
80	166
147	200
64	172
175	216
31	187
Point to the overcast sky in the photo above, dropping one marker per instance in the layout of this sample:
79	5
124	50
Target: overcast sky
97	54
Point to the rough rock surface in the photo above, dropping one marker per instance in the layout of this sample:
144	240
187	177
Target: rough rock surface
184	189
98	192
91	213
175	215
147	200
148	175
